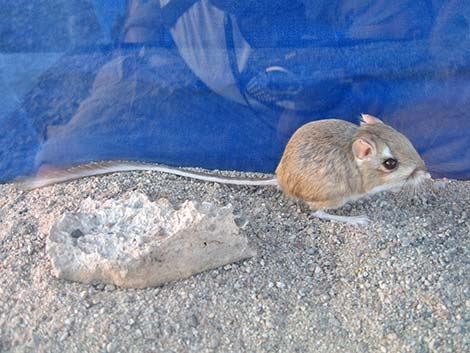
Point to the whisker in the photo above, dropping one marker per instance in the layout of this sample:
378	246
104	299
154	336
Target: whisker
415	185
402	190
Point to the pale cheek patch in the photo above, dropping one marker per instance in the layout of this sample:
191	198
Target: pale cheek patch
386	187
420	178
400	174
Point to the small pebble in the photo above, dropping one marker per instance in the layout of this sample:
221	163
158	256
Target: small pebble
214	343
440	184
110	287
111	347
77	233
193	321
311	250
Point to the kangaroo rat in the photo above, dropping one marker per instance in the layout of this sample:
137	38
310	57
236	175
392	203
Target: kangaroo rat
330	162
326	163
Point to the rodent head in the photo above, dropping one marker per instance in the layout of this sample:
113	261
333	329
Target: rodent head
386	158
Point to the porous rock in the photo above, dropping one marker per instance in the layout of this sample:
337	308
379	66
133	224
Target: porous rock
133	242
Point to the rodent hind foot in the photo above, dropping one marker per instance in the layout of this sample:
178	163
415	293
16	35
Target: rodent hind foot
353	220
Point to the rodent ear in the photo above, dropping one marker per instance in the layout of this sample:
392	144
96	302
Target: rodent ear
363	148
369	119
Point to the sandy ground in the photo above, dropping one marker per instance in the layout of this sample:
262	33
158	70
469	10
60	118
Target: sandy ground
399	284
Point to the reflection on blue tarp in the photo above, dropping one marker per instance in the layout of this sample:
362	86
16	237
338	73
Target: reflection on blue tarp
224	83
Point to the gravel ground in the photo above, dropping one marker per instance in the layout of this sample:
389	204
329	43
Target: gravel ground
399	284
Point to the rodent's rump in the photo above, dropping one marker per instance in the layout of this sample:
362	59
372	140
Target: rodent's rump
318	164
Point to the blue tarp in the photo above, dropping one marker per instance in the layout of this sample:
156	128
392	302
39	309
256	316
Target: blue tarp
224	83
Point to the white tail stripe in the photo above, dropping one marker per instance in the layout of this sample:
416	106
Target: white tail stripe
100	168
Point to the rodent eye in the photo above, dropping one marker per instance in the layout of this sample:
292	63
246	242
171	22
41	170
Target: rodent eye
390	163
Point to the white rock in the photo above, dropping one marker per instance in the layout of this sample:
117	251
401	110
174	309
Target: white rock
133	242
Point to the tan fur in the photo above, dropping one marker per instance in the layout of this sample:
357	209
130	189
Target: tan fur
321	166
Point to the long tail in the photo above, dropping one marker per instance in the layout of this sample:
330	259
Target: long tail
50	175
